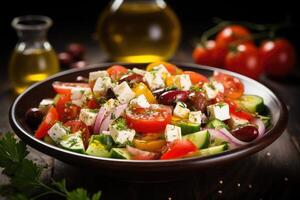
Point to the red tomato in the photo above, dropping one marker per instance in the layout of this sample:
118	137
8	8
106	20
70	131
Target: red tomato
173	69
244	59
196	77
50	119
178	149
65	109
233	87
77	125
116	71
278	57
66	87
235	110
149	120
92	104
233	33
212	54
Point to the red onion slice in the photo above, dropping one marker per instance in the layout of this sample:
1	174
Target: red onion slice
138	154
260	126
99	119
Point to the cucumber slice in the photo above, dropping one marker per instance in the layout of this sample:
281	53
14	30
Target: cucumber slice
251	103
188	127
215	123
96	148
73	142
106	140
200	139
120	153
213	150
266	120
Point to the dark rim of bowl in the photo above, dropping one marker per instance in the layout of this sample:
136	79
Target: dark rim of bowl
271	135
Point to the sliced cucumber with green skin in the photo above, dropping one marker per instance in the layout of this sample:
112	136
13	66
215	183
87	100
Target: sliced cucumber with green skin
266	120
213	150
188	127
106	140
201	139
73	142
120	153
251	103
96	148
215	123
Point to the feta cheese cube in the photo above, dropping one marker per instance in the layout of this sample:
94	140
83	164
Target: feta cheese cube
172	133
88	116
57	131
181	110
121	136
80	95
101	86
154	80
218	86
182	82
210	91
160	69
139	71
93	76
123	92
195	117
110	104
234	122
219	111
140	102
45	104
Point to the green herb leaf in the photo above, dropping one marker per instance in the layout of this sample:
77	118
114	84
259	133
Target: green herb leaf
81	194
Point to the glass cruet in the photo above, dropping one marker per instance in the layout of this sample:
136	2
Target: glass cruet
138	30
33	58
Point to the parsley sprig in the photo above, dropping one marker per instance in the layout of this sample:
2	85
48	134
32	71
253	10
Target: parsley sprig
25	182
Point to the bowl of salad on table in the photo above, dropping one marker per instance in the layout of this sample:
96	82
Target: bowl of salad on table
159	117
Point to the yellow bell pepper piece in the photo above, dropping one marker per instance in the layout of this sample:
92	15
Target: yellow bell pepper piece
141	88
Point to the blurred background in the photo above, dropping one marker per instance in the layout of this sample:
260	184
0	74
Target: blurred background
76	22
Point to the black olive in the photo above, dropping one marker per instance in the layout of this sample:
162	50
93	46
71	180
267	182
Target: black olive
34	117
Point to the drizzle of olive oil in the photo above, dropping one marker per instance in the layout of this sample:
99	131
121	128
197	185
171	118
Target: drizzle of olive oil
139	32
30	66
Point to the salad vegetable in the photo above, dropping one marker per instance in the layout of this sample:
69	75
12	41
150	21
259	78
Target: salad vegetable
162	112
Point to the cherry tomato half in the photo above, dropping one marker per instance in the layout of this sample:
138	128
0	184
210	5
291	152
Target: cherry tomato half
149	120
233	33
173	69
210	54
49	120
278	57
77	125
244	59
233	87
179	149
196	78
66	87
235	110
65	109
116	71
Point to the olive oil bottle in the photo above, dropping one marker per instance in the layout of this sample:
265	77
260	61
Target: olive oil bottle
139	30
33	58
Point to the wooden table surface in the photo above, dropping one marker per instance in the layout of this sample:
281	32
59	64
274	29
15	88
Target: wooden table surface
273	173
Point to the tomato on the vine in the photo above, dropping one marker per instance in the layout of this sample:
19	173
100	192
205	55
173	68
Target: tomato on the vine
278	57
244	59
233	33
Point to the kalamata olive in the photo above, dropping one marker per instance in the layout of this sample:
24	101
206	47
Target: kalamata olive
132	78
171	97
160	91
79	64
198	101
245	133
76	50
110	94
65	59
34	117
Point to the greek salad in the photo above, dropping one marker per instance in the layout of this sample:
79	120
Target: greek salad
161	112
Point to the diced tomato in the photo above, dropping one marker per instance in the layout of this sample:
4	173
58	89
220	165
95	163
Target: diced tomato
66	87
65	109
233	87
50	119
196	78
149	120
77	125
179	149
235	110
172	69
92	104
116	71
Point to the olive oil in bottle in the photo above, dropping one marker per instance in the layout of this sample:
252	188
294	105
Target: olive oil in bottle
33	58
139	31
